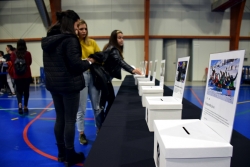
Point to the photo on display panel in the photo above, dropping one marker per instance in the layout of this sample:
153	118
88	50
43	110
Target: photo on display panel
181	71
222	79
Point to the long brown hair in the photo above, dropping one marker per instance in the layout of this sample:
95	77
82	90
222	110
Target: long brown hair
113	42
21	48
86	39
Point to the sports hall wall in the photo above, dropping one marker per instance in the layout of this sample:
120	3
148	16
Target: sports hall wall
20	19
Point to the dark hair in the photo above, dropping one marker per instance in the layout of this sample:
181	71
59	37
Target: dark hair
66	20
11	47
113	42
2	53
21	48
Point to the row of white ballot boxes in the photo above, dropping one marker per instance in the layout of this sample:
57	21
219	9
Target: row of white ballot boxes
147	87
159	107
197	143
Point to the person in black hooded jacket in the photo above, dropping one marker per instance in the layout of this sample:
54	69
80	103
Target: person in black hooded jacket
113	65
63	69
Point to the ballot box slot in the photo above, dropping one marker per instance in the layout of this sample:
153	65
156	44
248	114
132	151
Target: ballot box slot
186	130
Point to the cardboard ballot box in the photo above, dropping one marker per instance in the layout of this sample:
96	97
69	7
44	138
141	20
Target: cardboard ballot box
136	76
162	108
147	82
143	77
145	91
150	91
189	143
143	67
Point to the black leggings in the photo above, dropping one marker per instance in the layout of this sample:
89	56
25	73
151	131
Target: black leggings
23	89
66	106
109	99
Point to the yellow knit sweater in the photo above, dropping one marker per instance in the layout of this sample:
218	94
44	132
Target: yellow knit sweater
88	49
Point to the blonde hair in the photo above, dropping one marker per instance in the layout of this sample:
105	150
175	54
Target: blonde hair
86	39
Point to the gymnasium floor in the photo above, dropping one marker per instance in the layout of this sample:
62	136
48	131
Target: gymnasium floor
29	140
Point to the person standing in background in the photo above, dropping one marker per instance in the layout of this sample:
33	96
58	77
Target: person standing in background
3	80
7	80
22	81
88	47
9	50
63	69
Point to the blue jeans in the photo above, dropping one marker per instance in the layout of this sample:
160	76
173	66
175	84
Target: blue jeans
94	96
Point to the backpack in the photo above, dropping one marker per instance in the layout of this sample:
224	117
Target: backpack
20	66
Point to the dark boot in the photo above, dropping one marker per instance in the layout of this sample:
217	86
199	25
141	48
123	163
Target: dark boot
61	152
73	158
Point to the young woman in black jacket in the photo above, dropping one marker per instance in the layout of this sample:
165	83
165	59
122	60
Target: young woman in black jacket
63	69
113	65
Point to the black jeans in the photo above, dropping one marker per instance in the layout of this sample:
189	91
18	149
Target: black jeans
66	106
108	99
23	89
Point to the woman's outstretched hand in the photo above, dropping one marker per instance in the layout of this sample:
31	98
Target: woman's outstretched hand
137	71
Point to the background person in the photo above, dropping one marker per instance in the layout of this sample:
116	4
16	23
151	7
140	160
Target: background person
3	79
22	81
10	80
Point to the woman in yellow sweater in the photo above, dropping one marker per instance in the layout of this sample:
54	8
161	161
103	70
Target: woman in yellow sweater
88	46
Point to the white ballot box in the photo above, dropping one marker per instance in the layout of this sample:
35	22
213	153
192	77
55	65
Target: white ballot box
150	91
144	70
162	108
136	76
147	82
143	67
153	90
204	142
189	143
168	107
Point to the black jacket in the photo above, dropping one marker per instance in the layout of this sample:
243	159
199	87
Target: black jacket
114	63
63	66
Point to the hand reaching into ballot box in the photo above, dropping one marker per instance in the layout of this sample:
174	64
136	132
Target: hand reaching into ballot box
137	71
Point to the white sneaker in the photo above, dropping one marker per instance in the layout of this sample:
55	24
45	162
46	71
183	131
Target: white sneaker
12	95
